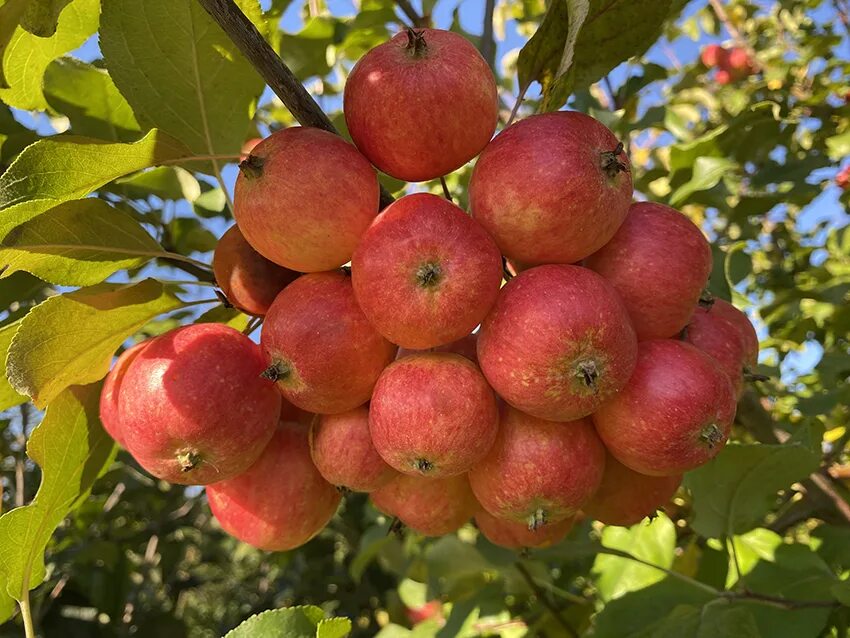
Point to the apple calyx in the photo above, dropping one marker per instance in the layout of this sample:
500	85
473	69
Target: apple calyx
423	465
188	460
252	166
706	299
279	370
536	520
343	490
711	435
396	527
416	44
611	163
588	373
429	274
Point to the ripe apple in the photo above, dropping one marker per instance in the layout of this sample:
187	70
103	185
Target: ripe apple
723	77
674	414
552	188
282	501
304	197
248	280
432	507
626	497
192	406
320	348
659	262
514	535
433	414
431	609
425	273
421	105
720	340
112	389
842	179
465	346
713	55
737	318
739	62
557	343
344	454
538	472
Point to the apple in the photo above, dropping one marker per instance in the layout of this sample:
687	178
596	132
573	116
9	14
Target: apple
723	77
842	179
112	389
512	535
320	349
675	413
192	406
659	262
422	104
344	454
538	472
557	343
552	188
431	609
304	197
248	280
432	507
739	62
626	497
721	340
248	146
465	346
747	332
713	55
433	414
425	273
281	501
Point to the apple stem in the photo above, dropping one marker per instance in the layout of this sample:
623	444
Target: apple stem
683	333
252	166
223	298
188	460
588	373
423	465
749	375
276	371
711	435
416	43
611	163
536	520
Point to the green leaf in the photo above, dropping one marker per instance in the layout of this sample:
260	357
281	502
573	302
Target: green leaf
733	492
70	339
333	628
838	146
180	72
68	167
165	182
187	235
10	16
654	542
28	55
292	622
9	398
841	591
714	620
7	603
707	173
78	243
20	287
88	97
42	16
72	449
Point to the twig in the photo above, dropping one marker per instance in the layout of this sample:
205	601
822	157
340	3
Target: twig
517	104
411	13
446	193
277	75
615	102
720	12
824	484
544	599
488	42
253	324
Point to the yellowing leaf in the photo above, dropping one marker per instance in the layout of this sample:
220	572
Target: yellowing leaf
8	397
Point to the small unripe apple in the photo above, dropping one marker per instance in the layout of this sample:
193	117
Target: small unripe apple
111	391
513	535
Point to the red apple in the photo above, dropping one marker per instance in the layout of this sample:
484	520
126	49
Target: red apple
433	414
344	454
465	346
742	324
552	188
675	413
425	273
112	389
517	535
193	408
557	343
432	507
321	349
713	55
248	146
842	179
422	104
248	280
723	77
431	609
720	340
626	497
659	262
538	472
739	62
304	197
282	501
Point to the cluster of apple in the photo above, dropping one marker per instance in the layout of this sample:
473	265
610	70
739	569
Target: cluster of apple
549	353
732	63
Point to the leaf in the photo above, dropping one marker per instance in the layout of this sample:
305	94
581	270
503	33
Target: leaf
28	55
714	620
9	398
707	173
180	72
333	628
165	182
42	16
733	492
654	542
10	16
841	591
68	167
78	243
292	622
838	146
70	339
7	603
90	100
72	449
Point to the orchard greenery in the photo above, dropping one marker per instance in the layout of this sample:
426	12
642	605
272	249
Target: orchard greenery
120	127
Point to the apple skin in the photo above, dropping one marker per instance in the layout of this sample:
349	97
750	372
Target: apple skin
248	146
465	346
728	312
425	273
513	535
431	609
675	413
111	391
659	262
542	190
327	356
344	454
842	179
432	507
282	501
193	408
433	414
626	497
420	111
714	55
304	197
739	62
722	341
538	472
557	343
248	280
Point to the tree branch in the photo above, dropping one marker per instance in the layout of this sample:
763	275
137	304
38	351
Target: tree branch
268	64
544	599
